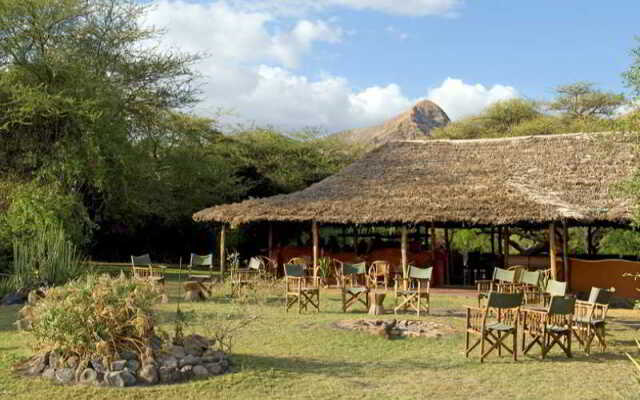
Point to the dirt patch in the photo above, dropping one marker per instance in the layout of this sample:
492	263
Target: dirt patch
396	328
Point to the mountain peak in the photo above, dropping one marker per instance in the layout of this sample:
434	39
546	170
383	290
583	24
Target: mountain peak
415	123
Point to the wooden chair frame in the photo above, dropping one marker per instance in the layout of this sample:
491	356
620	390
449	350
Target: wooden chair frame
416	296
144	271
358	289
553	288
379	269
300	289
590	319
506	308
550	327
244	278
530	285
205	281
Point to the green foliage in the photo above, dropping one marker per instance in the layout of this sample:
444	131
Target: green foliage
471	240
46	257
621	242
93	317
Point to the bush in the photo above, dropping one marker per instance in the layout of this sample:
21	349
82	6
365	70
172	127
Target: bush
93	317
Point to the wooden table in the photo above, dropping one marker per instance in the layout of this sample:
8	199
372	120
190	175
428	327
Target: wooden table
376	300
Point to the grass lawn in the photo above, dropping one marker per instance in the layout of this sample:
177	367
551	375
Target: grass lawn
289	356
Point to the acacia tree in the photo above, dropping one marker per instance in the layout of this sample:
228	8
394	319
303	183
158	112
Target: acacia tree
582	99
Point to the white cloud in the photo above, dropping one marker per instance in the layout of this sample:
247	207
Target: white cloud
236	35
459	99
416	8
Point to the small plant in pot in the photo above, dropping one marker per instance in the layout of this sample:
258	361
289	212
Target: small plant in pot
324	270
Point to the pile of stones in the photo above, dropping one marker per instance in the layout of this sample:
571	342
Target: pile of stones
397	328
162	364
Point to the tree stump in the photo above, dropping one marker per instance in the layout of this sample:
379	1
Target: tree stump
376	299
193	291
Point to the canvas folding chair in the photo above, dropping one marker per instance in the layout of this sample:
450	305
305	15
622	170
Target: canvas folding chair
301	289
503	281
305	262
357	290
416	296
554	288
379	270
589	322
504	310
143	270
549	327
530	285
200	272
243	278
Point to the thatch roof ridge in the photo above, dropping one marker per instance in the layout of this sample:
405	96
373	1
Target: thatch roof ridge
504	181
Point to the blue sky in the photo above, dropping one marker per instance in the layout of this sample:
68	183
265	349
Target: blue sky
338	64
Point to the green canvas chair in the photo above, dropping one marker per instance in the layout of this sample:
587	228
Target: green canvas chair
503	281
200	274
301	289
590	318
356	291
504	310
530	286
144	271
416	296
549	327
244	278
554	288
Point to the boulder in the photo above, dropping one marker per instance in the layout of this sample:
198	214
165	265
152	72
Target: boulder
128	378
168	374
114	379
189	360
98	365
64	375
118	365
38	364
200	371
177	351
214	368
88	376
148	375
49	373
186	372
133	365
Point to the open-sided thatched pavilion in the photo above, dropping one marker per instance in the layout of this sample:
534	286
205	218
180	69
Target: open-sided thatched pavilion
536	181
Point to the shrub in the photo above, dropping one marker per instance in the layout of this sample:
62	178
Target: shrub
97	316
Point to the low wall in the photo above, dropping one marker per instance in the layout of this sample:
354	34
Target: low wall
604	274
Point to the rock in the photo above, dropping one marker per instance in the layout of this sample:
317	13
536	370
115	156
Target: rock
189	360
118	365
72	362
200	371
214	368
38	364
225	363
167	374
88	377
13	299
114	379
128	355
129	378
156	342
64	375
49	373
186	372
97	364
177	351
54	358
170	362
133	365
214	355
148	375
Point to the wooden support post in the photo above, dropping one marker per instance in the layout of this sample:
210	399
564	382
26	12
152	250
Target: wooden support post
447	247
355	239
222	255
403	251
433	240
500	240
565	251
314	232
552	251
270	241
507	235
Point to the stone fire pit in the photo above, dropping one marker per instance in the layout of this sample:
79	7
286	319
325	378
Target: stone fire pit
396	328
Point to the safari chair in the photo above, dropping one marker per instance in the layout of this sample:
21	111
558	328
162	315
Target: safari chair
357	291
271	267
504	310
144	271
301	289
590	319
257	265
305	262
503	281
379	270
242	278
554	288
416	296
530	285
200	272
549	327
519	270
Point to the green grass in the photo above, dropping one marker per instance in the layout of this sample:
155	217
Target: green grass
290	356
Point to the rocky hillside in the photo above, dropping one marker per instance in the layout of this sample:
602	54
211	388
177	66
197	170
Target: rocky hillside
416	123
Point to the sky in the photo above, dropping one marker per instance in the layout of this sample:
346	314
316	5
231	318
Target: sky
340	64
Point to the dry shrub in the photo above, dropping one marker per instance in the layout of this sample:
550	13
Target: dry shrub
97	316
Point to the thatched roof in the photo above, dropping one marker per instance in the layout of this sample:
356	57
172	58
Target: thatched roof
522	180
